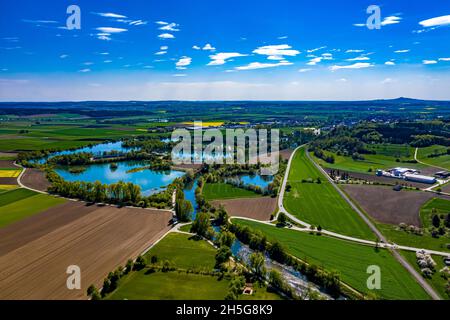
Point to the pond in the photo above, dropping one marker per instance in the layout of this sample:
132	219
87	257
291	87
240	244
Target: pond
257	180
149	181
96	150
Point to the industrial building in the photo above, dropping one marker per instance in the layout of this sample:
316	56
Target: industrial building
406	174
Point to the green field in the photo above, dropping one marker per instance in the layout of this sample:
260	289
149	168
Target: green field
218	191
349	259
440	161
170	286
385	157
184	251
436	281
15	195
320	204
22	204
441	206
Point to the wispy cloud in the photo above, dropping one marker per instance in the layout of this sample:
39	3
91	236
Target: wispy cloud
170	27
39	21
444	59
183	62
111	30
222	57
276	52
390	63
258	65
436	21
304	70
110	15
63	56
84	70
166	36
402	51
360	58
391	20
208	47
354	51
358	65
315	49
429	61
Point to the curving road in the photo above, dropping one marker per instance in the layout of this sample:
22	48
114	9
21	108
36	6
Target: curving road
391	247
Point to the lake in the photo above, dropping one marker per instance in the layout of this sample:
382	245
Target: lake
149	181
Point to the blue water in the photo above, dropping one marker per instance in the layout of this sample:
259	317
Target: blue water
189	194
257	180
149	181
96	150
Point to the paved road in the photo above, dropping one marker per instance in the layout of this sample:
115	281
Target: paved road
390	247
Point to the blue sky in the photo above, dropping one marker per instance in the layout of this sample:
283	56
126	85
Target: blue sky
233	50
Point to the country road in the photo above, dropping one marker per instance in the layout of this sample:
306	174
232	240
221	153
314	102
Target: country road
393	248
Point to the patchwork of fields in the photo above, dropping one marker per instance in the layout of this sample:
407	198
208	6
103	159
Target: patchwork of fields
319	203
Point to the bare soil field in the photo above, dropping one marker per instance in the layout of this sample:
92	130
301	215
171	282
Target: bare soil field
389	206
35	252
286	154
186	166
7	164
8	181
35	179
7	154
254	208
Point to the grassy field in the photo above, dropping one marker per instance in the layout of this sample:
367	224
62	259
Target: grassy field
440	161
184	251
441	206
436	281
349	259
385	157
218	191
15	195
9	173
21	205
320	204
170	286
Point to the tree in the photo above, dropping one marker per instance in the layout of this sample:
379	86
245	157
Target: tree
257	264
92	292
275	279
436	221
282	219
201	224
226	238
277	252
140	263
222	256
222	216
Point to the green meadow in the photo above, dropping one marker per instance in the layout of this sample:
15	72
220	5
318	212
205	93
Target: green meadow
442	161
319	203
219	191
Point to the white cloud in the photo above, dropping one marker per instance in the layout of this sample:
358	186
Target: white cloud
327	56
314	61
444	59
88	63
387	80
276	51
170	27
40	21
161	22
166	36
354	51
183	62
63	56
359	24
111	30
85	70
179	75
196	48
390	20
315	49
163	48
390	63
436	21
137	22
111	15
282	37
304	70
107	61
258	65
360	58
402	51
104	36
429	61
208	47
220	58
358	65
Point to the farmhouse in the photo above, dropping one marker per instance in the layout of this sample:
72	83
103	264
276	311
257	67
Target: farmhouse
406	174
